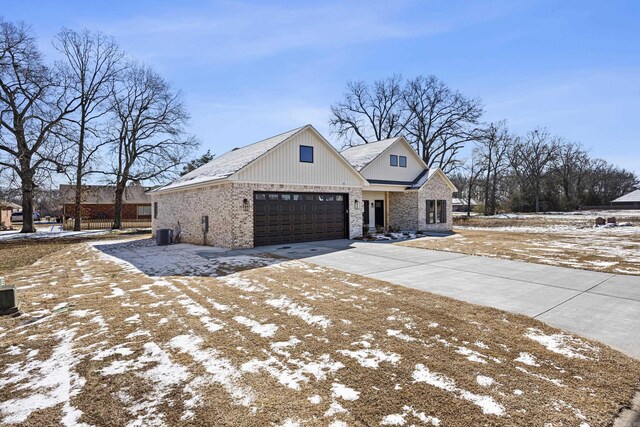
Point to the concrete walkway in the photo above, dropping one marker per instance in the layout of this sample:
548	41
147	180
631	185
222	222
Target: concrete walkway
602	306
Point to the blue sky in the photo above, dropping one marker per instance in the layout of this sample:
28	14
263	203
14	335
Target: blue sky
249	70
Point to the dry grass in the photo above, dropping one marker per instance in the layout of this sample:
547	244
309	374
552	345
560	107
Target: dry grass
114	345
23	252
562	240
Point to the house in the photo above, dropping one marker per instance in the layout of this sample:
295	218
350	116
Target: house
98	202
297	187
6	208
460	205
628	201
403	192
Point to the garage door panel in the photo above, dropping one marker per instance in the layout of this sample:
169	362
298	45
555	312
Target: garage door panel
298	217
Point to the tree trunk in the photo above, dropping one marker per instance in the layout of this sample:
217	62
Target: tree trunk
117	220
77	226
27	204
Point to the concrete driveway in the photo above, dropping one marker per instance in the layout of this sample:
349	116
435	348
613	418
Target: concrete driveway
602	306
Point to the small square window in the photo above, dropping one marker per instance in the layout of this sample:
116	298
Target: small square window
273	197
285	196
306	154
308	196
339	198
393	160
403	161
261	196
329	198
321	197
297	197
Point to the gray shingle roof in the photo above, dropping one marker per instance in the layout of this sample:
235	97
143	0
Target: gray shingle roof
632	197
227	164
361	155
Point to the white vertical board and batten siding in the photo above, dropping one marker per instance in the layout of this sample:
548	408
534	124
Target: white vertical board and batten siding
381	167
282	165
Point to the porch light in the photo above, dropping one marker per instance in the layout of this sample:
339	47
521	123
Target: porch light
245	205
356	204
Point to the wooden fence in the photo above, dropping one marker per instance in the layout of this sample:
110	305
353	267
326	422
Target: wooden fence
103	224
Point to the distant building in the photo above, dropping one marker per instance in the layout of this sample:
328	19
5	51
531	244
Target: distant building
6	208
98	202
460	205
629	201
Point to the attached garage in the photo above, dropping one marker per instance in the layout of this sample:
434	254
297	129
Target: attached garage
285	217
293	187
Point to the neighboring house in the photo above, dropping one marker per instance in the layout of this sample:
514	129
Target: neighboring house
460	205
98	202
629	201
297	187
6	208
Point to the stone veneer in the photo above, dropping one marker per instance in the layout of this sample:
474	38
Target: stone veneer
230	226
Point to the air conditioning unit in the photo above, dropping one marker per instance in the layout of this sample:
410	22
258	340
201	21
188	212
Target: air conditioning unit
8	299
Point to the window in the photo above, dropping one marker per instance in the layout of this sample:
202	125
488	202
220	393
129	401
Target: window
442	211
155	209
431	211
339	198
144	210
261	196
285	196
393	160
273	197
436	211
306	154
403	161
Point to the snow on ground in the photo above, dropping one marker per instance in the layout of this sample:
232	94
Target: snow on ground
166	335
52	232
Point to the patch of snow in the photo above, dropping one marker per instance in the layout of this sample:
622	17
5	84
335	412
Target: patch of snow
484	381
486	403
399	334
527	359
400	418
52	382
344	392
315	399
219	369
303	312
564	344
371	358
265	331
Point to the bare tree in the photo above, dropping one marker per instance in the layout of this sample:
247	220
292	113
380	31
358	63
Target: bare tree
492	145
530	159
474	168
440	120
91	63
33	109
369	113
571	166
149	140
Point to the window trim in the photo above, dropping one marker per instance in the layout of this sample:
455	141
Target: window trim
300	154
391	158
400	161
155	210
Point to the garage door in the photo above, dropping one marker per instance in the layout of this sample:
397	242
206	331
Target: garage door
298	217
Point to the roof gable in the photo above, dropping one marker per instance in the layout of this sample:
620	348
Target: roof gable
231	164
225	165
433	172
361	156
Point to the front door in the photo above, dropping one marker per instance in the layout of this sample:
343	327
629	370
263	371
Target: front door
379	213
365	213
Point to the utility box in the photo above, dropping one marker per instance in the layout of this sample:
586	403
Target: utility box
8	300
164	236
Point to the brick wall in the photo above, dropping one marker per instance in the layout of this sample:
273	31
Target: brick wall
403	210
436	188
230	226
5	218
104	211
